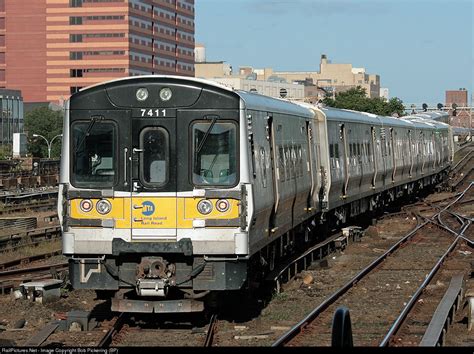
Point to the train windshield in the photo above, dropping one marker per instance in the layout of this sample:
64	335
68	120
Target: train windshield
214	153
93	154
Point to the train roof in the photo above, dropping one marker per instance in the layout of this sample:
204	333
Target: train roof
424	119
264	103
462	130
260	102
434	115
174	77
251	100
370	118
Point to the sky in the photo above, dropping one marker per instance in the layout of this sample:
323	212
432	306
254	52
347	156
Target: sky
419	48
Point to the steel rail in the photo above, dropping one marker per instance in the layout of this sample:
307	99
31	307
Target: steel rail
211	331
459	236
280	271
18	236
28	259
408	307
299	327
461	160
446	226
36	269
444	313
107	339
296	329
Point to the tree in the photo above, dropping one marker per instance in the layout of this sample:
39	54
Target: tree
357	100
45	122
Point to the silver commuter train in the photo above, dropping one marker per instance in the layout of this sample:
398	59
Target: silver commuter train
174	189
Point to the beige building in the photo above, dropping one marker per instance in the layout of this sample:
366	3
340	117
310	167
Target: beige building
272	89
208	70
331	77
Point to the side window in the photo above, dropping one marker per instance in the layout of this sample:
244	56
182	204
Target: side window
300	159
288	163
154	161
295	162
263	166
281	163
331	155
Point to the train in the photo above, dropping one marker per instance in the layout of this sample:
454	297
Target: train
176	190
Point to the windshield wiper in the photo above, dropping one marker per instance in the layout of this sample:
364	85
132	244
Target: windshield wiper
201	144
94	119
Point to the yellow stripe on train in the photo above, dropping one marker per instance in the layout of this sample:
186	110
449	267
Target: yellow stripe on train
154	212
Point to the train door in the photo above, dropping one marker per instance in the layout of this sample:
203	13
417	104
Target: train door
154	175
312	166
343	137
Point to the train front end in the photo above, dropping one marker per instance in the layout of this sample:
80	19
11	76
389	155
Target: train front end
154	192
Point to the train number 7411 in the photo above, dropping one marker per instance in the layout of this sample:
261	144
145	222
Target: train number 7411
153	112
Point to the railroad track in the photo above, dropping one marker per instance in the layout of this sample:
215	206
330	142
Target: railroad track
22	197
415	255
44	205
10	279
125	330
462	169
28	259
20	238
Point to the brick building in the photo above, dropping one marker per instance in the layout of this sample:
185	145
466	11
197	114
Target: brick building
462	117
50	49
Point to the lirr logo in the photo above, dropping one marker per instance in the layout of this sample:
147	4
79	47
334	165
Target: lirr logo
148	208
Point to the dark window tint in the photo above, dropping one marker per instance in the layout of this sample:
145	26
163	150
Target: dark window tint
75	3
214	153
93	154
75	20
155	157
74	38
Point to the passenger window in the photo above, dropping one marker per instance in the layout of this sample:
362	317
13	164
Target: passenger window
300	159
154	161
263	166
336	151
288	163
281	163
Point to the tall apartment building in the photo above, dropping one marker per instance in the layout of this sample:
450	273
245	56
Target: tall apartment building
50	49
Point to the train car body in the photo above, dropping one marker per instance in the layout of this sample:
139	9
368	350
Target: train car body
173	189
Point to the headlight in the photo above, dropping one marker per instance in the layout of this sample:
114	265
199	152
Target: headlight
222	205
165	94
103	206
86	205
142	94
204	207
